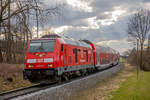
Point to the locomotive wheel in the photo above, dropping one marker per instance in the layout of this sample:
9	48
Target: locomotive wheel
85	74
65	77
59	79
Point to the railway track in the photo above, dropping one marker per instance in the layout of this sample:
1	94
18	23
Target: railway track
27	90
23	91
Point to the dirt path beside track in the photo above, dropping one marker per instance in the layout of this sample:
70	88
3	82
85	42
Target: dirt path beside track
102	90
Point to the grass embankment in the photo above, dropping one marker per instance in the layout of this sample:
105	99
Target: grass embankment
11	77
133	88
123	60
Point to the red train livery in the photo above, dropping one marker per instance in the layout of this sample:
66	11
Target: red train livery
52	58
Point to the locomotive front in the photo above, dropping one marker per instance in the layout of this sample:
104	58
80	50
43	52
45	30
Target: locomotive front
41	60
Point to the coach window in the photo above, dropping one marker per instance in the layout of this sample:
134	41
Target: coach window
86	55
62	47
79	50
90	58
75	53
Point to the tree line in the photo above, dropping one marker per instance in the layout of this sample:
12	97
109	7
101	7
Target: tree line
17	17
138	31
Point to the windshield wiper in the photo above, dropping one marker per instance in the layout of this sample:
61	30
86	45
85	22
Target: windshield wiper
41	48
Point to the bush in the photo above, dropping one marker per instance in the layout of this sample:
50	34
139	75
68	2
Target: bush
135	60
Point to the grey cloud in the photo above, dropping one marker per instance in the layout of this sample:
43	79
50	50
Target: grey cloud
115	31
70	16
75	18
103	16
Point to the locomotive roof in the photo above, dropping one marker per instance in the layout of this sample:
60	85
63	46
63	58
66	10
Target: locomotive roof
51	36
75	42
104	48
66	40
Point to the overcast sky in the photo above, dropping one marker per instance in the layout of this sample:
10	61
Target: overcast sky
101	21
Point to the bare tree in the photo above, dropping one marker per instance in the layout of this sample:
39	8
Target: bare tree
148	49
138	28
17	18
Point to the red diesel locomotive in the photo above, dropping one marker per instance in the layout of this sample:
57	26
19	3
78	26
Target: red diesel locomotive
52	58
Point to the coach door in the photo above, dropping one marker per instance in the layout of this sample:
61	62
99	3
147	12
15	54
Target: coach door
97	59
75	55
65	55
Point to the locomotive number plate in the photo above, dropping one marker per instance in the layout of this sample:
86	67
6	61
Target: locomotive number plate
39	65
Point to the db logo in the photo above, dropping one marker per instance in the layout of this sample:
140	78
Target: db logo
39	60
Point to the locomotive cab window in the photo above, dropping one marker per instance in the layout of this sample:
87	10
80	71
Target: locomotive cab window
42	45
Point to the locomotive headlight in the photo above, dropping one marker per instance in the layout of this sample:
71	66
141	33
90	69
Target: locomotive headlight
50	65
31	61
48	60
30	66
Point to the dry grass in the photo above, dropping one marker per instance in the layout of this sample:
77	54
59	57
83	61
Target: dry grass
10	69
11	77
102	91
